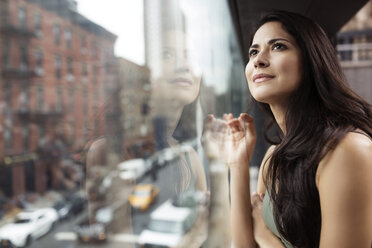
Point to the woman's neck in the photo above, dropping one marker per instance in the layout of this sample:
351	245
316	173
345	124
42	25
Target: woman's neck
279	111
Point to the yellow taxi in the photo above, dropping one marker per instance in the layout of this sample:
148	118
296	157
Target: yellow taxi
142	196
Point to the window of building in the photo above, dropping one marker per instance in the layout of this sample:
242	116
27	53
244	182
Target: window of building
4	12
39	63
57	33
40	98
24	99
41	132
83	45
23	66
22	17
68	37
84	69
5	53
85	102
37	23
58	67
8	138
26	137
94	49
6	96
71	99
70	70
59	100
95	74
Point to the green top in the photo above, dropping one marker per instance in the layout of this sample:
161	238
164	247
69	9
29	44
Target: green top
267	212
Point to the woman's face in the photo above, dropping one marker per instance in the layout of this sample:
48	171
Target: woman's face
274	70
179	81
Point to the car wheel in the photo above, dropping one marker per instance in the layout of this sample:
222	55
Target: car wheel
29	240
52	226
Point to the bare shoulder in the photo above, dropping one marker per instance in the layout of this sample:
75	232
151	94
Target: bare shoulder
97	152
344	184
98	144
198	169
351	159
261	187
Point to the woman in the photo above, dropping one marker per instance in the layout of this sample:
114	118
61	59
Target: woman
314	187
176	87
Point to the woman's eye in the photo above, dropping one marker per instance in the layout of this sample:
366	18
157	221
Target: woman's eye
278	46
252	52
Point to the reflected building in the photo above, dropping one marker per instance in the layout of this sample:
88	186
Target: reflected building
53	76
136	119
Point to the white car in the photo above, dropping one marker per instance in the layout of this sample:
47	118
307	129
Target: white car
28	226
132	169
168	226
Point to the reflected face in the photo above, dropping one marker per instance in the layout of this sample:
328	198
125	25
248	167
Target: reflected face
179	81
274	70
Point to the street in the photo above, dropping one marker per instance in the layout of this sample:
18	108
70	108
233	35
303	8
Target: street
63	236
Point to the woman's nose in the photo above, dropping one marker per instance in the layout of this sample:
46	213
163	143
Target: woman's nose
261	61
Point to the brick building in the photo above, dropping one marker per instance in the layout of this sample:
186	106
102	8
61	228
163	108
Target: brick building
54	71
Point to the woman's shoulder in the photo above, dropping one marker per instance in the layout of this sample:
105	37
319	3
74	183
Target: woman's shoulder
97	151
350	160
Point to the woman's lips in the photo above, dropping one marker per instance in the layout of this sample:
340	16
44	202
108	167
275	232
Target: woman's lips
182	81
257	78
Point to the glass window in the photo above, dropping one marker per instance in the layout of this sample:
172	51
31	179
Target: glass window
70	70
39	70
5	53
37	24
8	139
40	98
26	136
83	44
58	67
22	17
23	66
116	105
68	37
24	99
4	12
71	99
57	33
59	100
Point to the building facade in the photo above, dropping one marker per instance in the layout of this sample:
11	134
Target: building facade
136	118
54	68
355	51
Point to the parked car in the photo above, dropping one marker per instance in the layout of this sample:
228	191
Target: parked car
143	195
28	226
132	169
96	231
168	226
63	208
87	232
78	203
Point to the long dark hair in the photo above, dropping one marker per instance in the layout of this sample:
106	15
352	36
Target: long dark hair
320	113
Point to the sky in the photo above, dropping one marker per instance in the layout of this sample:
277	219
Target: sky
123	18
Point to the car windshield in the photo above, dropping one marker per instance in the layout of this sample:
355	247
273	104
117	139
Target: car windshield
22	220
166	226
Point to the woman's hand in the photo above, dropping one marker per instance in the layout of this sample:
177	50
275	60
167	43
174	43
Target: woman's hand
230	140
